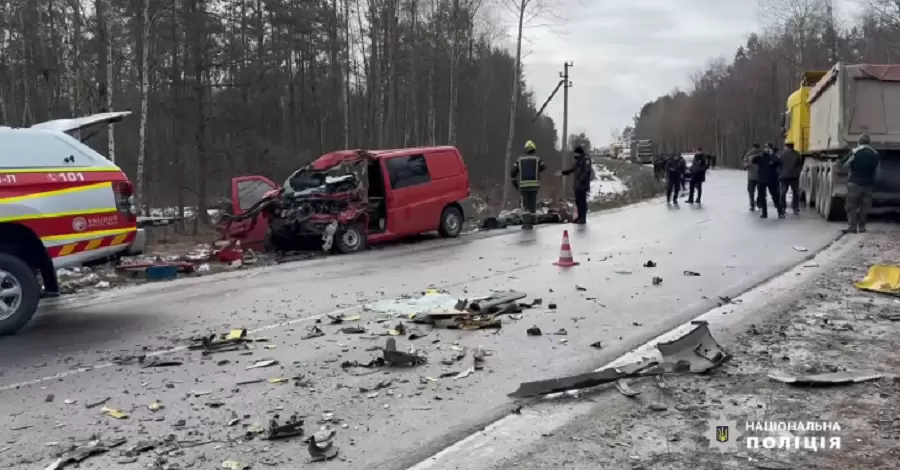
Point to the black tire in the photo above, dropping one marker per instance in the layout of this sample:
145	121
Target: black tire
350	239
15	272
451	222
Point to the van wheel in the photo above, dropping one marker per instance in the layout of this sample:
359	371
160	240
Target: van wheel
19	294
350	239
451	222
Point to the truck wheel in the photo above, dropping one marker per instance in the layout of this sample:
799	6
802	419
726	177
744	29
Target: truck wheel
350	239
451	222
19	294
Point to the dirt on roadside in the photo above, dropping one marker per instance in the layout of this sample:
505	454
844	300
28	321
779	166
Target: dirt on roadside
831	327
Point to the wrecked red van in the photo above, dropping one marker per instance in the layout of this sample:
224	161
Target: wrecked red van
347	199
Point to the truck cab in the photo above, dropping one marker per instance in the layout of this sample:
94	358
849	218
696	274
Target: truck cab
62	204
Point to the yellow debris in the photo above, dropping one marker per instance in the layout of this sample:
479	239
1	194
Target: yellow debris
236	334
881	278
233	465
155	406
114	413
278	380
269	346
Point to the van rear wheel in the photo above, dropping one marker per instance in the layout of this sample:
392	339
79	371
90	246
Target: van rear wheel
451	222
19	294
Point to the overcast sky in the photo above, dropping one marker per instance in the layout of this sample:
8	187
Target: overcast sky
627	52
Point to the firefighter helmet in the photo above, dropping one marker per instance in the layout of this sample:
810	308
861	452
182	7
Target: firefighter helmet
530	146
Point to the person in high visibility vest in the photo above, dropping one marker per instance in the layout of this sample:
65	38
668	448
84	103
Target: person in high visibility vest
526	177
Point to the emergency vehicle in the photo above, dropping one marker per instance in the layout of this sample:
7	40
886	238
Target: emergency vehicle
61	204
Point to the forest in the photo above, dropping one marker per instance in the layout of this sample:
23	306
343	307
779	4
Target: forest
732	104
221	88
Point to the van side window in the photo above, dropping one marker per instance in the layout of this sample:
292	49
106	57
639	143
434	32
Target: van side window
43	150
250	192
407	171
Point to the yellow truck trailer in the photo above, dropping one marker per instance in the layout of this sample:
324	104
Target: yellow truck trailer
826	115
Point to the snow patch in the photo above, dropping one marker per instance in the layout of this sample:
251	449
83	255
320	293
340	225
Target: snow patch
605	183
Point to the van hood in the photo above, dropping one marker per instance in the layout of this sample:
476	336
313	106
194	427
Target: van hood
77	124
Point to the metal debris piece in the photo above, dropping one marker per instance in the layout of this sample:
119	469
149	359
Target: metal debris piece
341	318
354	330
155	406
313	332
398	330
394	357
96	403
622	271
650	264
691	273
624	389
698	348
114	413
551	306
200	393
231	341
157	362
657	280
800	248
416	333
290	428
278	380
495	302
597	344
377	362
562	332
696	352
81	453
580	289
321	444
261	364
826	379
465	373
234	465
534	331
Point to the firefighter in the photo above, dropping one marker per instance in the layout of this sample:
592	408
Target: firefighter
526	177
582	170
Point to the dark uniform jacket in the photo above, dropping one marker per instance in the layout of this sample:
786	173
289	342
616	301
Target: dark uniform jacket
675	166
699	167
527	173
767	164
863	165
582	170
791	164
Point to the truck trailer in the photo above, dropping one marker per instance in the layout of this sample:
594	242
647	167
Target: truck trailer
642	150
824	119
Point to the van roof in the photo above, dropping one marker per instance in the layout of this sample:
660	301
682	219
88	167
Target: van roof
332	159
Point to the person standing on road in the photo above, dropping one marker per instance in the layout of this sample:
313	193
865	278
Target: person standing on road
526	176
675	167
863	163
699	166
752	174
789	176
582	170
767	164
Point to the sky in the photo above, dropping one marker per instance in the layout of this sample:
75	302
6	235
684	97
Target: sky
628	52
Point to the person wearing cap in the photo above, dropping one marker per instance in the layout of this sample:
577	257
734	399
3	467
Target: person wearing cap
863	163
581	168
526	177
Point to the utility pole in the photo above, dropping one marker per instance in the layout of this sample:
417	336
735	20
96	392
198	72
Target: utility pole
564	153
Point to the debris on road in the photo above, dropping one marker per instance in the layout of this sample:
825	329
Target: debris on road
695	352
263	363
828	378
561	332
234	465
313	332
624	389
800	248
234	340
290	428
321	445
579	288
114	413
691	273
534	331
657	280
81	453
650	264
622	271
883	279
341	318
597	344
400	358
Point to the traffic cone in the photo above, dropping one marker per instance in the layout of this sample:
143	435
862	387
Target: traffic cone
565	253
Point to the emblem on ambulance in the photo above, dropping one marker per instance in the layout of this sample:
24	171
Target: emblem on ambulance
79	224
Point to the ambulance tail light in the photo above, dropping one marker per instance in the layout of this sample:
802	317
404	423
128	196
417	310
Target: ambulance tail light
124	192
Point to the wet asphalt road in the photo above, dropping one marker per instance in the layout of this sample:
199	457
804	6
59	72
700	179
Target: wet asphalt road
66	351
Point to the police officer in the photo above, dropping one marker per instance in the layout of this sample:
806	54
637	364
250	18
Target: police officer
699	166
675	168
752	171
863	163
582	170
767	168
526	176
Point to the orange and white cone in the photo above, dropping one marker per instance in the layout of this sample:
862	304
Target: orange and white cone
565	253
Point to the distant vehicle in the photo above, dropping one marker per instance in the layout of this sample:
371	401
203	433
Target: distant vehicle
642	150
624	154
823	120
348	199
61	204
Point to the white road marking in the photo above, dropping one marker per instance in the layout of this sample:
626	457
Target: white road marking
482	449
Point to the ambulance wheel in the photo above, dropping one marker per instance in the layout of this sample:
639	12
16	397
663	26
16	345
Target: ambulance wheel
19	294
350	239
451	222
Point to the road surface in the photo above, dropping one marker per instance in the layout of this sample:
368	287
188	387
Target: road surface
62	361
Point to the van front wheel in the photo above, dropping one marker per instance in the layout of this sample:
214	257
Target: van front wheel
350	239
19	294
451	222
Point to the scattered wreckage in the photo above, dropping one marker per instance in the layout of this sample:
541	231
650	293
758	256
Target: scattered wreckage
696	352
348	199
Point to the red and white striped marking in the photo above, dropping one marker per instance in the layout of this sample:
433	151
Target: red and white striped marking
565	253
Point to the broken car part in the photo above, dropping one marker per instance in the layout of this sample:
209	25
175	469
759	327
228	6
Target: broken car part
81	453
321	444
830	378
400	358
290	428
